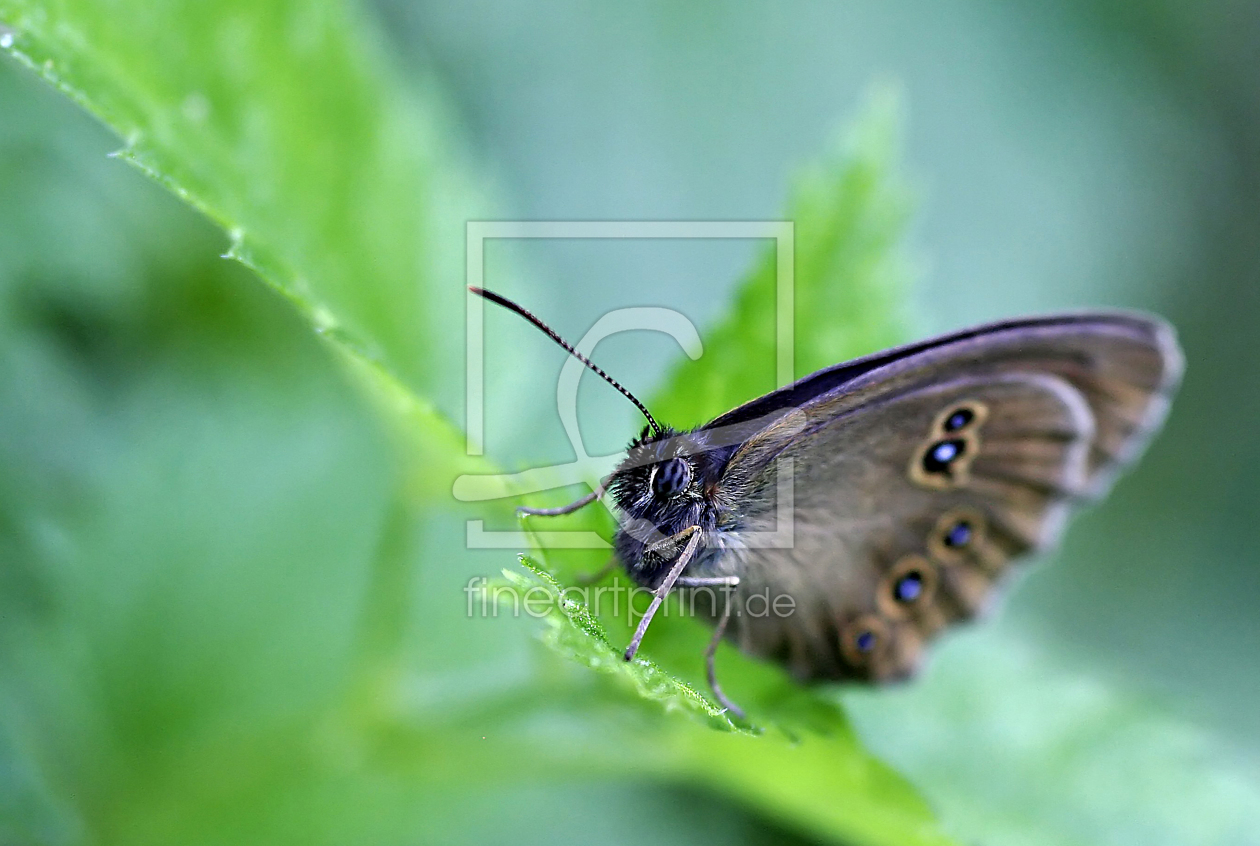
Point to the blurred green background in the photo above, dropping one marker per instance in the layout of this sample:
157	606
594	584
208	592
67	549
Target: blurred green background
207	576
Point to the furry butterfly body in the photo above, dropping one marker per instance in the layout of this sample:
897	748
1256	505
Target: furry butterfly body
915	476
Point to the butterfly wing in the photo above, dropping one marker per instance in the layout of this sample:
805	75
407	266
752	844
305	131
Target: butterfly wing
918	476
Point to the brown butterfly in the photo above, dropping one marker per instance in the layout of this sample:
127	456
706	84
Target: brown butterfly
886	496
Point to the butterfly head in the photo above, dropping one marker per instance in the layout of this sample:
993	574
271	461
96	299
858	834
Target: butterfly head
662	479
665	475
660	490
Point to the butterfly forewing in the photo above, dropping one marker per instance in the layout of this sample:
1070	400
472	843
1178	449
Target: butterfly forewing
919	478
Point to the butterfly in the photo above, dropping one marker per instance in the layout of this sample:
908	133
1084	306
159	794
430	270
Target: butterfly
883	498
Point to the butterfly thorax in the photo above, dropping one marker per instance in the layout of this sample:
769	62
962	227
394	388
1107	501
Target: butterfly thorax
667	483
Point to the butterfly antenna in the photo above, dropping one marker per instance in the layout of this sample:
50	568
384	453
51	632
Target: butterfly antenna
550	333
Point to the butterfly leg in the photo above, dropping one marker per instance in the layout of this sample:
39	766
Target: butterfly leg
587	578
710	653
710	666
666	585
525	511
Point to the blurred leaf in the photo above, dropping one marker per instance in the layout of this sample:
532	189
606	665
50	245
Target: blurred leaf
851	284
196	527
334	184
1012	746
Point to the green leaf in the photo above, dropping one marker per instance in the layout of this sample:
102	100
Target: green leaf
851	278
574	632
807	769
337	186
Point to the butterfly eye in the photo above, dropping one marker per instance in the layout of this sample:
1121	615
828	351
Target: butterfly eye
965	415
941	454
958	419
958	535
909	587
671	477
863	640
